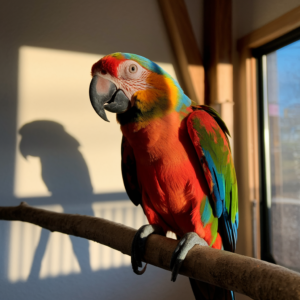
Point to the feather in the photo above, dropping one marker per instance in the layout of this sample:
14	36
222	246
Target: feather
176	159
209	137
129	174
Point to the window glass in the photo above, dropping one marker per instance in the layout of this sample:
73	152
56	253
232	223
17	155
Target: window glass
282	109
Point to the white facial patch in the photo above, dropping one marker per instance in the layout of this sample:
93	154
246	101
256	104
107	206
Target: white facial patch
132	78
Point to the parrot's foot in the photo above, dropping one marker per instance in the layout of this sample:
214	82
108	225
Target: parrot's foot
138	246
186	243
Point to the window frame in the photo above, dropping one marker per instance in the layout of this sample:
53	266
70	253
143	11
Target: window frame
264	144
247	141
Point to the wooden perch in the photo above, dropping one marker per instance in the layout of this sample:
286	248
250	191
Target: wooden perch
249	276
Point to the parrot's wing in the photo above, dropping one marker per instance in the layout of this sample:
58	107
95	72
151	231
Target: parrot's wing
129	173
209	135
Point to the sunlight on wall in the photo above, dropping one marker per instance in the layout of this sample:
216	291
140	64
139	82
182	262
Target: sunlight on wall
123	212
53	85
224	87
59	258
23	243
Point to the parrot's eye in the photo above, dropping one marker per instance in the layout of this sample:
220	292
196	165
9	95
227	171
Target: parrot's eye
132	68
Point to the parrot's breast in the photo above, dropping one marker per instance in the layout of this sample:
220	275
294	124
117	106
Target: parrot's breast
169	172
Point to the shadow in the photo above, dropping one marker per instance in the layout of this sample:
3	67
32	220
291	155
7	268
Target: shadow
65	173
108	284
72	27
80	26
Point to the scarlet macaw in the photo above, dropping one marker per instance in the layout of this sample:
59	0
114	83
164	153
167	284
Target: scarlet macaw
176	160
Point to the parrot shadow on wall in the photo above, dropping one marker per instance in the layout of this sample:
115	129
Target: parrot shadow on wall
65	173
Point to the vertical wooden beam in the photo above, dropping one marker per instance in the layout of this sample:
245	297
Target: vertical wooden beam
218	58
247	158
253	155
185	47
246	140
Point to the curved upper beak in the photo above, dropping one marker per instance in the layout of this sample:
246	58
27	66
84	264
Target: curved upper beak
104	95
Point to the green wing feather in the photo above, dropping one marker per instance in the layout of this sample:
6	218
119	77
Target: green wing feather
209	135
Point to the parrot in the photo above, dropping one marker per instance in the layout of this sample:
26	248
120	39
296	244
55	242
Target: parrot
176	160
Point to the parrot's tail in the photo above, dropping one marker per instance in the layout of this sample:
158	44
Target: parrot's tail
206	291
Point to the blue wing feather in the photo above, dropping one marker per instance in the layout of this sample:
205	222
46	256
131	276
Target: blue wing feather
209	136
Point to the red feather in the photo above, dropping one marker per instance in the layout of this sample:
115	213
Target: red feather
107	64
169	174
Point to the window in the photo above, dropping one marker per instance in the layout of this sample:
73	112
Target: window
279	110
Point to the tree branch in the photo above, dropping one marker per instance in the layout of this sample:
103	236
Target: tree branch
254	278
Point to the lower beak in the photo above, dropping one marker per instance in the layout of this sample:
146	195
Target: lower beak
104	95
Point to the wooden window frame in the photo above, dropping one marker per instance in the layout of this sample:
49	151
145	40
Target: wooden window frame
259	53
247	130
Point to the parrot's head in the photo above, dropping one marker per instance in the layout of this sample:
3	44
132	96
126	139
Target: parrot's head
135	88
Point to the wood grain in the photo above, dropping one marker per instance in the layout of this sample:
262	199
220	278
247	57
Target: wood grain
218	58
218	51
185	47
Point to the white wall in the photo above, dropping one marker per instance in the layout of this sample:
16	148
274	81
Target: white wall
195	11
37	38
252	14
72	157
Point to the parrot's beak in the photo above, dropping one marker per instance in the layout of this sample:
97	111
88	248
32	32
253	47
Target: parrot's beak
104	95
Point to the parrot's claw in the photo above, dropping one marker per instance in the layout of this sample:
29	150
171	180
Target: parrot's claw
139	244
186	243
